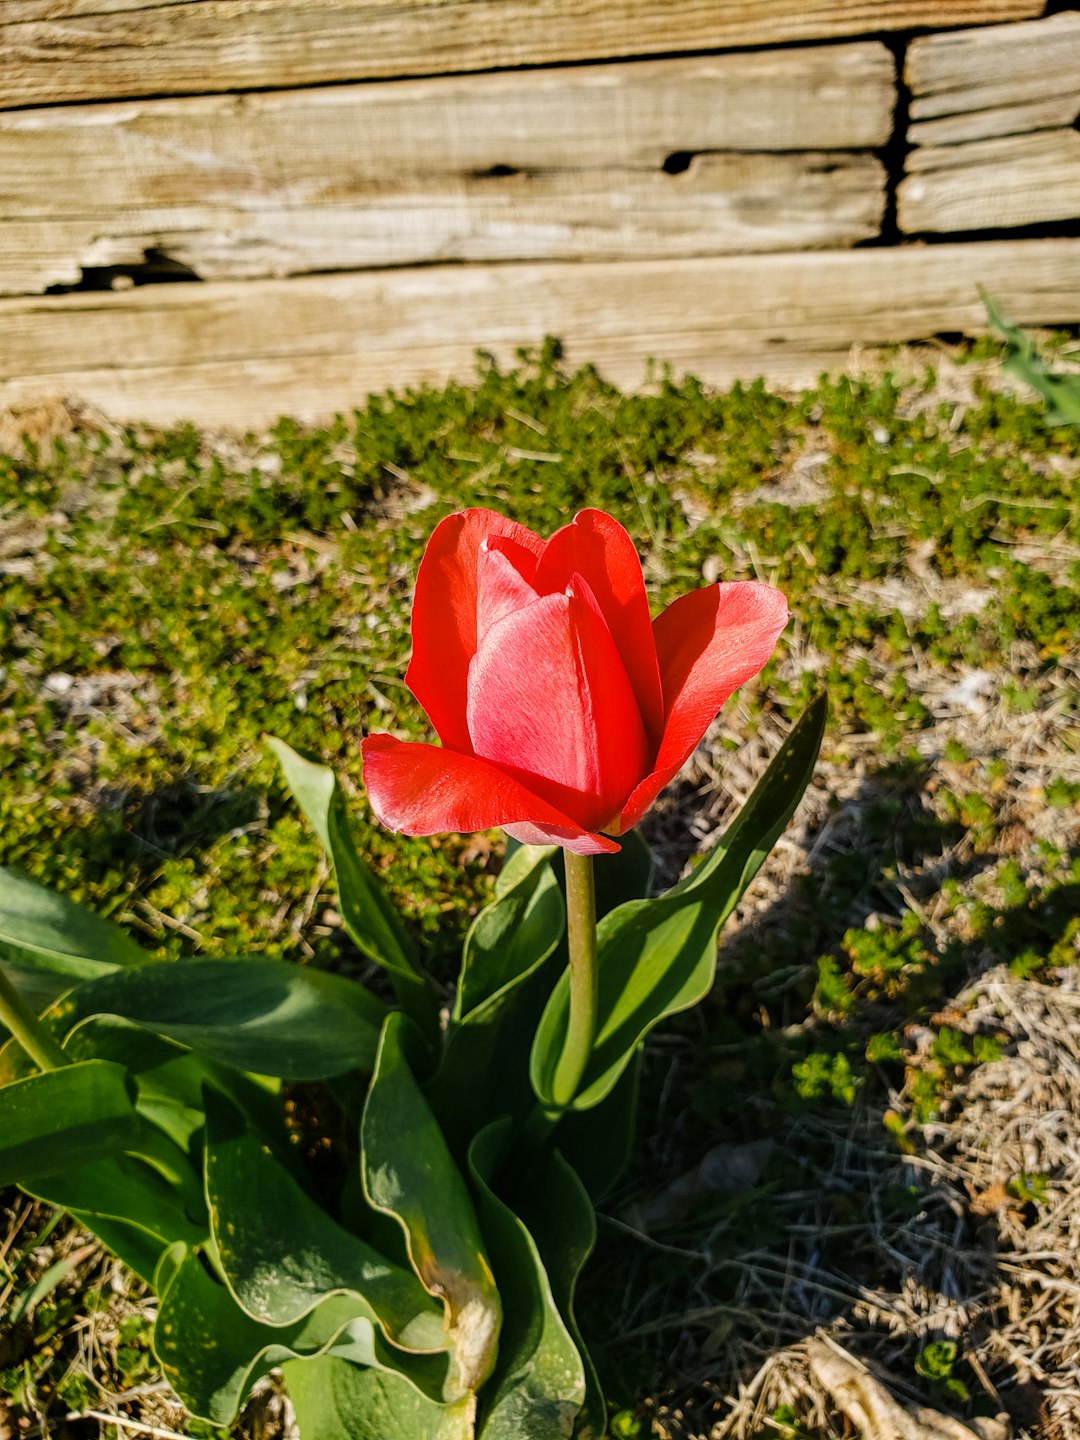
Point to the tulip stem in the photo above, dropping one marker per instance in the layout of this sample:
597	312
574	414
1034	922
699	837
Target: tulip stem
584	981
27	1029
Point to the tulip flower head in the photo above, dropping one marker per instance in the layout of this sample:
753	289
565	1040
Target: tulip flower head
562	709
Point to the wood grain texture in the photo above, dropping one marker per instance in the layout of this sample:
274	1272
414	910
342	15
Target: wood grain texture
992	184
68	50
993	137
239	354
566	163
979	84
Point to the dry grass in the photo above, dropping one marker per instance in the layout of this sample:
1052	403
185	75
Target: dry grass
973	1262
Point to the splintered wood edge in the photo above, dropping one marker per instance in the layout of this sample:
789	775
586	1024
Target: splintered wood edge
770	152
240	354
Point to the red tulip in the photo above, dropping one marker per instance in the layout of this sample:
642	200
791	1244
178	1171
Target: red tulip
562	710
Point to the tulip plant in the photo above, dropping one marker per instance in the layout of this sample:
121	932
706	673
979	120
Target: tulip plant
414	1279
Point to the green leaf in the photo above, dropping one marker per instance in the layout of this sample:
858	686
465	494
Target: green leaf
127	1205
27	1302
282	1257
66	1117
538	1386
269	1017
506	979
480	1076
656	957
213	1351
1059	389
168	1078
558	1214
370	919
169	1082
38	989
598	1143
624	876
335	1400
515	933
142	1200
135	1049
409	1174
50	932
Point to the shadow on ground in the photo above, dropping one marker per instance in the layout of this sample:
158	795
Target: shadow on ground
782	1184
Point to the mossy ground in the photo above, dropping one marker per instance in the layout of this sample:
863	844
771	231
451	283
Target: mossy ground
169	598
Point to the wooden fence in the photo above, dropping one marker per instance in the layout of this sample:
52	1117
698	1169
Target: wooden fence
370	192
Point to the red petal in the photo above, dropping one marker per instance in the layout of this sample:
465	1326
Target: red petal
550	701
444	616
709	643
597	547
500	586
424	790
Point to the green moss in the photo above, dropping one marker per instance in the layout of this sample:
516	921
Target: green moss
267	589
185	600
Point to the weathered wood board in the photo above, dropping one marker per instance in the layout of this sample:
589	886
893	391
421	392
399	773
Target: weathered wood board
733	203
68	50
241	353
566	163
965	83
989	184
992	116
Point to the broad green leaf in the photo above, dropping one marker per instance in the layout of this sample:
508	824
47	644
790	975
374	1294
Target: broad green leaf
481	1076
283	1258
515	933
598	1143
269	1017
506	979
335	1400
621	877
143	1199
538	1386
169	1081
61	1118
130	1046
554	1207
213	1352
369	918
168	1078
409	1174
1059	389
127	1205
657	957
49	932
38	989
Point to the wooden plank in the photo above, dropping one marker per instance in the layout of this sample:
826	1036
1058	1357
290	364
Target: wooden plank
979	84
992	116
67	50
1051	112
241	353
994	144
566	163
992	184
723	204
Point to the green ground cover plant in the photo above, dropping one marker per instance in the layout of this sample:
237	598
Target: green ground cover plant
171	598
